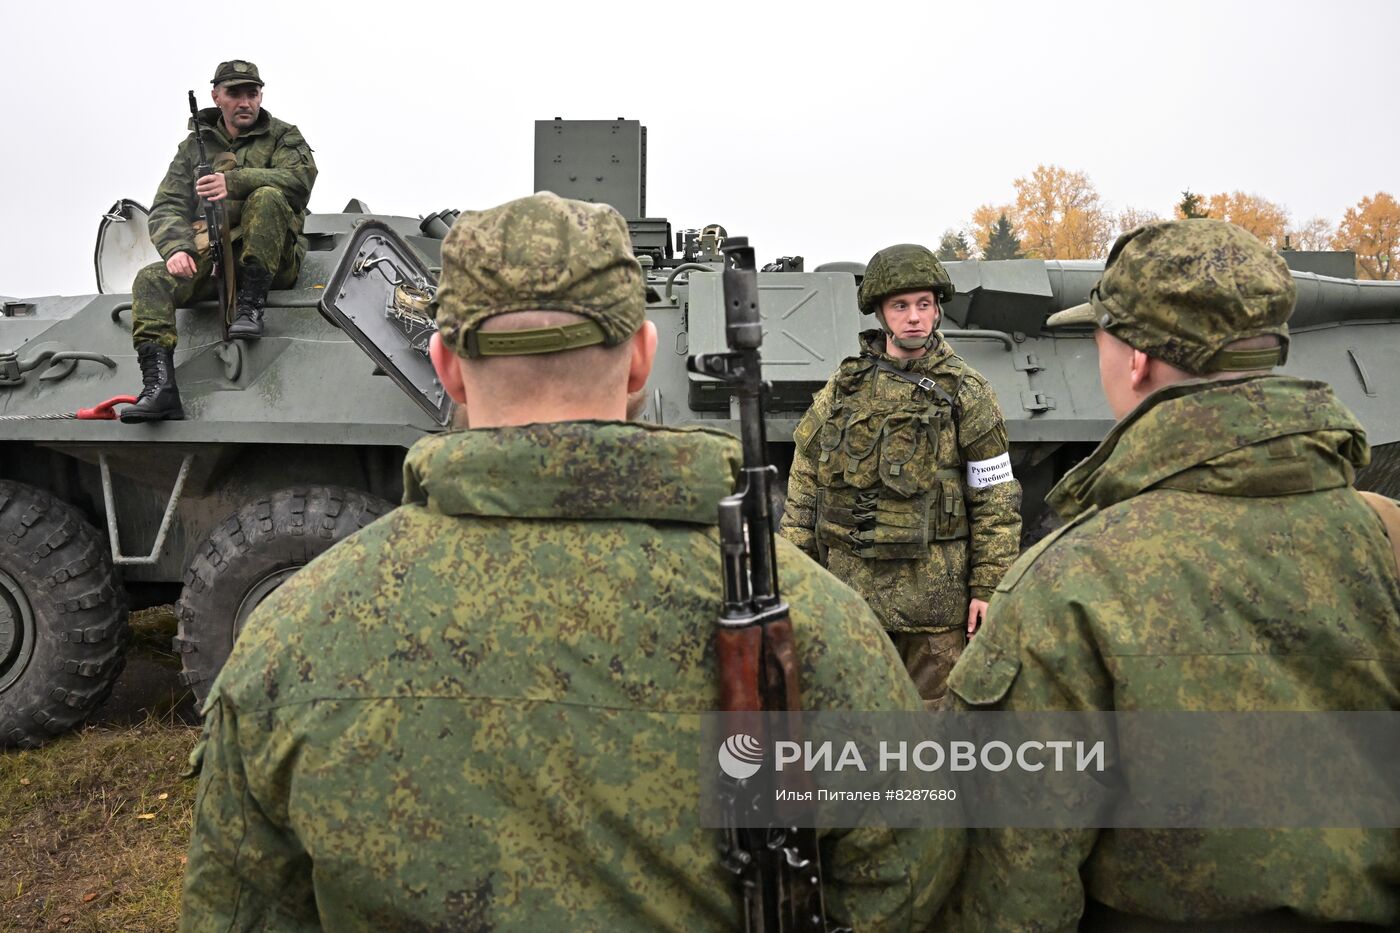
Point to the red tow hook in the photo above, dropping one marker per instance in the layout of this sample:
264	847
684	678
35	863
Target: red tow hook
104	411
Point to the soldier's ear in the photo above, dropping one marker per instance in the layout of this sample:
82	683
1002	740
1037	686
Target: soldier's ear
643	346
1140	371
446	364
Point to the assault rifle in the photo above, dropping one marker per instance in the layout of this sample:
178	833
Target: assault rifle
778	868
216	224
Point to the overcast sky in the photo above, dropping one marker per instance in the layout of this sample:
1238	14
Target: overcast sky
826	131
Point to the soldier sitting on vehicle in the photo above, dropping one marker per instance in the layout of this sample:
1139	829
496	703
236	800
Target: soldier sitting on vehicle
263	172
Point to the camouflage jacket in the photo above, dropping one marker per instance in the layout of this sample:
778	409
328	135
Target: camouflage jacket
271	153
483	710
972	531
1216	558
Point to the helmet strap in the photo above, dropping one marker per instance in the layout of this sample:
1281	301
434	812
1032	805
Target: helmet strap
908	343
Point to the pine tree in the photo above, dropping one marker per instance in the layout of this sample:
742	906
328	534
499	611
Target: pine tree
1002	241
953	247
1190	205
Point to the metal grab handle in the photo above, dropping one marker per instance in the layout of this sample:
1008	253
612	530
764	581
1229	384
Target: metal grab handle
59	356
275	300
683	267
60	362
1001	335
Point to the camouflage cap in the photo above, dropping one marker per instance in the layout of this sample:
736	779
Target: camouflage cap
906	267
1183	290
234	72
541	253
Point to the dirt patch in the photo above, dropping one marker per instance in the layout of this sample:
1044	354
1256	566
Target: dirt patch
93	830
94	826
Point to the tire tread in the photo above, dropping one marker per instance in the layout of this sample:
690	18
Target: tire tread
80	614
261	536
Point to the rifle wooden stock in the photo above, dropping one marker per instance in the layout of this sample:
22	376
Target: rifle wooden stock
740	653
782	687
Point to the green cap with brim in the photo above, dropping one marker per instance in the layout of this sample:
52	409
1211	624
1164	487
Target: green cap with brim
1183	291
1079	314
236	72
541	253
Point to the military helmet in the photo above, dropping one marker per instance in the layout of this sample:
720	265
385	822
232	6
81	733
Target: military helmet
906	267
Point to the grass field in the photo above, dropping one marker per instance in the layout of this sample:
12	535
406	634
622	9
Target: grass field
93	827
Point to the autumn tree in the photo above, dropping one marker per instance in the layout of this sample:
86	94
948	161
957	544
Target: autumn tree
1260	216
1134	217
953	246
1002	242
1060	216
1316	234
984	223
1372	230
1189	206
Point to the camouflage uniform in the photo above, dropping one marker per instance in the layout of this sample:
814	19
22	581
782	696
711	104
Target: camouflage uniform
1215	558
880	494
270	171
483	711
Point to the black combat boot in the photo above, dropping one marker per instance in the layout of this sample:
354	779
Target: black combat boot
253	282
160	397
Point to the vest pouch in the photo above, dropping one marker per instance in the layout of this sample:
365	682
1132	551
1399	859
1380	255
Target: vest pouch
902	528
904	464
950	512
838	513
830	461
873	525
860	441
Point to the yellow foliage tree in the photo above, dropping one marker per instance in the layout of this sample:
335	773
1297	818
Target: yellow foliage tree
984	221
1059	215
1372	230
1260	216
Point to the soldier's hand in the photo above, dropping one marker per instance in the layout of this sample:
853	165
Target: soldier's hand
181	265
212	187
976	612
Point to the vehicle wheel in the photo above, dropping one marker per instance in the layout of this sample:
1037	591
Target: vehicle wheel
63	630
1382	475
1032	532
247	556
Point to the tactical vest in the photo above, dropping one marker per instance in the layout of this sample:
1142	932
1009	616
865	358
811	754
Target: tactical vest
889	470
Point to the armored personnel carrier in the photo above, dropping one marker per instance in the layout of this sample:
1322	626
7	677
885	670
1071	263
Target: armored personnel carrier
294	442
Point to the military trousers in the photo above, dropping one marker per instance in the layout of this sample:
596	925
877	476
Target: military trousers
265	236
929	658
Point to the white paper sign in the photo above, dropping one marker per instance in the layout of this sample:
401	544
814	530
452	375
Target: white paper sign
984	473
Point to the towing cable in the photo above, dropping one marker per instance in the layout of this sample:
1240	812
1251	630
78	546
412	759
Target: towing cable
102	412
